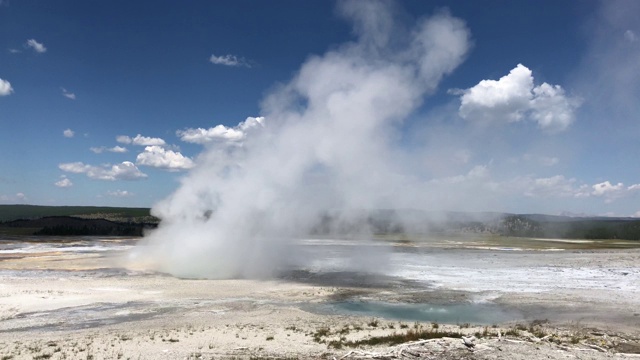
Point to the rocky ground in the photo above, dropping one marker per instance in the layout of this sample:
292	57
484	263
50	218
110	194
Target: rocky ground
82	304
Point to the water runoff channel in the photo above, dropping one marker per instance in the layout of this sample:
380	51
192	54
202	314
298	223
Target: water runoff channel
392	294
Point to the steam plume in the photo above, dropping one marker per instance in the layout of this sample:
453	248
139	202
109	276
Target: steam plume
326	142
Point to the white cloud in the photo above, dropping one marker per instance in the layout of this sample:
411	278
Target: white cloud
220	132
115	149
36	46
118	149
630	36
478	172
158	157
612	192
542	160
123	139
14	51
64	182
606	187
554	186
201	136
549	161
19	197
120	193
635	187
147	141
515	98
251	123
551	109
636	215
68	133
5	88
502	100
229	60
140	140
68	95
124	171
559	186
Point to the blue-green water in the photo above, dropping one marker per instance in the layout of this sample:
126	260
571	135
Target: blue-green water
473	313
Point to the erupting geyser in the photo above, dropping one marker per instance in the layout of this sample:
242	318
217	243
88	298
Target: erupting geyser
325	140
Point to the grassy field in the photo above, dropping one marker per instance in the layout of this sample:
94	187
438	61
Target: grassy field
10	231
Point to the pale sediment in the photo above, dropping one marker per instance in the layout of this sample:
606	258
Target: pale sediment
65	304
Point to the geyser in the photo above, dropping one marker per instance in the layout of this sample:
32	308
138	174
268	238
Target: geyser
325	140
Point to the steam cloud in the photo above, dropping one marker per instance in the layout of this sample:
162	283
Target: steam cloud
326	143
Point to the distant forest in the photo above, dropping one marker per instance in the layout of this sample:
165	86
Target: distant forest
75	220
30	212
582	228
416	222
112	221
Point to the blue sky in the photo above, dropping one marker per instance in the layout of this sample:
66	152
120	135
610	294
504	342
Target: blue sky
98	99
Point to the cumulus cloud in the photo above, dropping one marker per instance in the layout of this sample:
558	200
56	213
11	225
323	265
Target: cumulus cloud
68	133
229	60
120	193
630	36
18	197
140	140
606	187
611	192
220	132
5	88
115	149
36	46
559	186
159	157
64	182
551	187
514	97
68	95
123	171
123	139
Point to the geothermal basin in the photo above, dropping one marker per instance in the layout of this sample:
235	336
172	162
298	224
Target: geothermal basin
85	296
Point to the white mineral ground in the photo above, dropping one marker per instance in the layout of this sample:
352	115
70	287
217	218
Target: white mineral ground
82	300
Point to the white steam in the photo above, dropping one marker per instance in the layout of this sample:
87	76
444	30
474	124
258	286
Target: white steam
326	143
